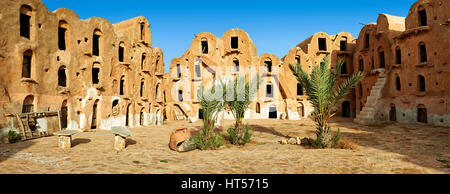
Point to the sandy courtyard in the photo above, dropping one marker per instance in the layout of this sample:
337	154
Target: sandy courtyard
390	149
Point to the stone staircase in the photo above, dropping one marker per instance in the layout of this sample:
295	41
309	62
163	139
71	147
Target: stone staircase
368	113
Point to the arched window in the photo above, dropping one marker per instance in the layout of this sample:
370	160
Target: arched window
423	52
421	83
301	110
269	89
393	113
157	92
122	85
268	65
322	44
62	35
180	95
204	44
398	56
25	21
26	64
156	64
297	59
398	85
234	42
96	42
361	64
299	89
143	60
62	81
422	17
28	104
121	51
381	57
343	44
236	64
142	87
96	73
344	68
258	108
142	25
178	70
367	40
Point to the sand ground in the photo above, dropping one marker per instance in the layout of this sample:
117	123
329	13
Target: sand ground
388	149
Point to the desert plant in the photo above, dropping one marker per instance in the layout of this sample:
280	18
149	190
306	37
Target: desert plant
211	106
13	136
324	94
238	97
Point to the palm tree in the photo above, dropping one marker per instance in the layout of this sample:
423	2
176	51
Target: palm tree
241	97
324	94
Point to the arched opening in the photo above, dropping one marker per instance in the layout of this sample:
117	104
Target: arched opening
367	40
297	59
122	85
142	87
322	44
26	63
236	64
157	91
121	51
421	83
94	115
360	90
178	70
269	89
141	117
62	81
398	85
180	95
64	114
343	44
346	109
200	114
143	60
258	108
156	64
361	64
381	57
142	25
393	113
115	108
344	69
422	116
422	17
28	104
204	44
62	35
268	65
25	21
234	42
273	112
398	56
423	52
301	110
127	115
299	89
96	38
96	73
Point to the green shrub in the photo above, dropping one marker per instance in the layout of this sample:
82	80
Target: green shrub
235	140
13	136
206	143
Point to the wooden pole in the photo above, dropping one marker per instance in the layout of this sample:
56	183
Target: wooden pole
59	120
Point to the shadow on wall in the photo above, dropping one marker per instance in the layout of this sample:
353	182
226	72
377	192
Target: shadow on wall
417	143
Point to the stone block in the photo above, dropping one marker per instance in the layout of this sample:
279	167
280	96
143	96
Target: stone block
120	142
65	141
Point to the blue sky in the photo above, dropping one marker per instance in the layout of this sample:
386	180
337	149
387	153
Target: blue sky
274	26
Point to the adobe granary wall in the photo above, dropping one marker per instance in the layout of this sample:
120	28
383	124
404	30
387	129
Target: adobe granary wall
97	73
406	60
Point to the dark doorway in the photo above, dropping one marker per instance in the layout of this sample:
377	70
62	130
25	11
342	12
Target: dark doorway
141	118
398	56
346	109
26	64
421	83
268	65
95	72
25	21
367	41
96	44
344	70
121	52
343	45
62	38
422	114
273	112
423	53
422	18
299	89
393	113
382	60
301	110
94	115
127	115
64	114
62	77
